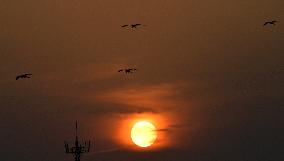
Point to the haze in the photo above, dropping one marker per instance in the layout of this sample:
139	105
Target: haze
208	69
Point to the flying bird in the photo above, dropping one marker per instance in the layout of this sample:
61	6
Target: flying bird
23	76
270	22
129	70
135	25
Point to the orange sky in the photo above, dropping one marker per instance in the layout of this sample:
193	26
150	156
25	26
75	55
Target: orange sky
209	77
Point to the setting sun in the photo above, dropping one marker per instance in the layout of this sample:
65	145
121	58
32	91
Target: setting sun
143	134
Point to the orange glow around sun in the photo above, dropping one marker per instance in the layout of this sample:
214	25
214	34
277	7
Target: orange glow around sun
141	131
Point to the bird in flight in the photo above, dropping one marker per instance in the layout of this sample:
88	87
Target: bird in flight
133	26
270	22
23	76
129	70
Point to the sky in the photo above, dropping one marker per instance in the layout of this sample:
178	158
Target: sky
210	78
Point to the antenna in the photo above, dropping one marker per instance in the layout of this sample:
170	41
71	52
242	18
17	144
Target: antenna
78	149
76	129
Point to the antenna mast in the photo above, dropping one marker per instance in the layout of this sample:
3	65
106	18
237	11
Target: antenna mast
78	149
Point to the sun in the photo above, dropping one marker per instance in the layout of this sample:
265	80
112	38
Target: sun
143	134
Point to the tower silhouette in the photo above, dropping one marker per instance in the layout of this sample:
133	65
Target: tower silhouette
78	149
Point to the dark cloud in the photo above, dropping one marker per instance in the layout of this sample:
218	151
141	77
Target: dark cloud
106	109
173	127
163	130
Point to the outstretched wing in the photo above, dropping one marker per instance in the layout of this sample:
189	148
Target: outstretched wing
265	23
120	70
124	25
23	76
135	25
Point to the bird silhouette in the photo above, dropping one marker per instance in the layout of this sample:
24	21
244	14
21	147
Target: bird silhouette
135	25
23	76
128	70
270	22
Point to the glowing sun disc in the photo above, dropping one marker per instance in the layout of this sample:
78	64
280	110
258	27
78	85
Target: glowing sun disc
143	134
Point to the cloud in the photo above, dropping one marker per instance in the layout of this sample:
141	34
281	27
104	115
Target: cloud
147	98
108	108
172	127
162	130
